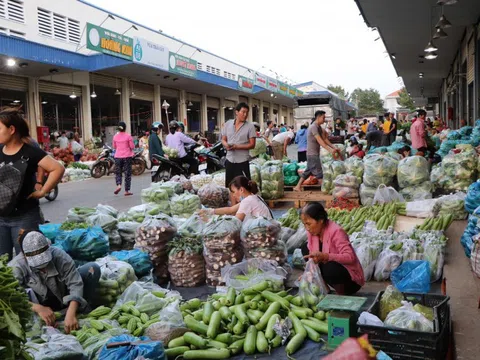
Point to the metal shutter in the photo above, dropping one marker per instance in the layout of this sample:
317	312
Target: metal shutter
107	81
229	103
58	89
213	103
169	92
471	61
464	51
194	97
142	91
16	83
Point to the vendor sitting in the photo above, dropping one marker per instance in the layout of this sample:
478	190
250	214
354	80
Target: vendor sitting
244	191
328	245
56	283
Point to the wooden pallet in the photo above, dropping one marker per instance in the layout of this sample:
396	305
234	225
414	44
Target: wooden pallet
305	188
300	198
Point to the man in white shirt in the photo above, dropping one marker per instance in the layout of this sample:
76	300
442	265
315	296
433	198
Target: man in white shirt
280	143
63	141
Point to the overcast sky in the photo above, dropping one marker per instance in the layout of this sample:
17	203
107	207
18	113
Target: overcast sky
325	41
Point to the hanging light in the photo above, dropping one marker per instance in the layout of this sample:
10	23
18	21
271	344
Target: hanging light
132	94
11	62
93	94
440	34
446	2
189	103
431	47
443	23
117	92
431	56
73	95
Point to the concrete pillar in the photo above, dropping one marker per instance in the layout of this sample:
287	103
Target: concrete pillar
204	114
271	115
157	104
279	115
260	112
289	119
250	105
125	104
221	115
33	105
86	120
182	113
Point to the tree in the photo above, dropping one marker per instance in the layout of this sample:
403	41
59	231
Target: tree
368	101
405	100
339	90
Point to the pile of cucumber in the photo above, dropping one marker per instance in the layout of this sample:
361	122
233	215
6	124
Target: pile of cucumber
227	324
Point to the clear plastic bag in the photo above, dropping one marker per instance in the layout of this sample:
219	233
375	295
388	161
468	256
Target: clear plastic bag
192	228
347	180
171	187
297	240
259	232
80	214
272	180
57	346
454	204
127	231
412	171
311	285
345	193
385	195
391	299
222	232
139	212
142	346
154	195
186	184
139	260
106	222
367	194
406	317
367	253
298	260
199	180
379	169
254	175
418	192
355	166
435	254
107	209
286	233
216	259
184	205
421	208
387	261
187	267
219	179
412	276
213	195
256	270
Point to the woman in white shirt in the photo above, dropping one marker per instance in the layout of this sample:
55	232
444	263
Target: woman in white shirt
249	204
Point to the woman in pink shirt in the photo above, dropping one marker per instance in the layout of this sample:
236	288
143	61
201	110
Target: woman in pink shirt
328	245
123	145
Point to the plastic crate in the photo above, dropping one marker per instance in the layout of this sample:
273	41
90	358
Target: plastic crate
402	344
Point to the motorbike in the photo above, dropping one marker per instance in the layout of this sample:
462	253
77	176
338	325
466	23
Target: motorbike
105	164
213	158
164	168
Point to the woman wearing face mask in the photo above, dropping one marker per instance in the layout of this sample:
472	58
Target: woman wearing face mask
328	245
244	191
54	281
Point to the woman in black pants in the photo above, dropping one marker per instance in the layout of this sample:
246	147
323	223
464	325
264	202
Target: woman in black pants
123	145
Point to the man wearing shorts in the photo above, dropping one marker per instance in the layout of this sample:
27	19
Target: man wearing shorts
238	136
316	138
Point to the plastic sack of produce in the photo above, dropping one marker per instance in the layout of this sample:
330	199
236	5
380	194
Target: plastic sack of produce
460	165
472	200
106	222
475	256
391	299
291	219
199	180
184	205
219	179
311	284
421	208
471	231
367	194
57	346
50	231
434	253
290	173
84	244
140	347
355	166
297	240
139	212
253	271
216	259
182	180
186	264
422	191
272	180
345	193
80	214
327	183
367	253
259	232
412	171
386	194
406	317
171	187
254	175
347	180
412	276
107	210
388	260
154	195
213	195
260	147
379	169
412	250
139	260
453	204
286	233
222	232
192	228
127	231
277	252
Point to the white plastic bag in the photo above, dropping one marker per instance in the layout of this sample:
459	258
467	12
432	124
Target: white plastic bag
385	195
256	270
312	285
406	317
367	318
387	261
421	208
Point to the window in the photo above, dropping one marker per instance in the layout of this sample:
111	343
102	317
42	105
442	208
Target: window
199	66
225	74
5	31
58	26
233	76
218	72
208	68
12	10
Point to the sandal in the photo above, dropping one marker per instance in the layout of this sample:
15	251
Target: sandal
117	191
128	193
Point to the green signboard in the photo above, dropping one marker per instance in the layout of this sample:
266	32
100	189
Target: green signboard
282	88
292	92
245	84
109	42
299	93
182	65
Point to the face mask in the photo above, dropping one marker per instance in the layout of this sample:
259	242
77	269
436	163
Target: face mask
41	267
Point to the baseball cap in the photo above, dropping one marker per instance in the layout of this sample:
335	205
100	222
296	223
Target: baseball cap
36	249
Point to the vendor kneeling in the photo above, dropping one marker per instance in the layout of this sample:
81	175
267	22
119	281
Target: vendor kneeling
54	279
329	247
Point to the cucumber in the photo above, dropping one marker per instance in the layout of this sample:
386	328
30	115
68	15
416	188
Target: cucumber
249	347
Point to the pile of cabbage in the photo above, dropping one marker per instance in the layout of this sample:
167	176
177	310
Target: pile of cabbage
414	178
346	186
456	171
260	147
326	156
290	173
255	174
331	170
379	169
355	166
271	175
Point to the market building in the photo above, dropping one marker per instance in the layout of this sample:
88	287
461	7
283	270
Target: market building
72	65
434	51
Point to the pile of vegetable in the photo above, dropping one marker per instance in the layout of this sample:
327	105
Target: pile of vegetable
254	320
379	169
153	236
331	170
15	314
154	195
213	195
250	272
291	219
346	187
290	174
456	171
184	205
414	178
254	175
260	147
139	260
454	204
355	166
170	152
199	180
272	180
436	224
221	238
171	187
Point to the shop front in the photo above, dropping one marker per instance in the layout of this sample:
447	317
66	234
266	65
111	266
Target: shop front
213	107
141	107
229	110
194	116
169	97
13	91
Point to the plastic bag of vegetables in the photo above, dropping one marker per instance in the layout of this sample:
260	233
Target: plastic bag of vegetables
170	152
406	317
107	209
460	165
367	194
327	183
182	180
291	219
421	191
379	169
127	230
253	271
259	232
388	260
412	171
297	240
219	178
84	244
367	253
260	147
213	195
255	175
80	214
139	212
347	180
391	299
355	166
272	180
184	205
192	228
472	200
387	194
154	195
412	276
345	193
454	204
57	346
434	253
472	230
106	222
311	285
139	260
199	180
222	232
141	347
171	187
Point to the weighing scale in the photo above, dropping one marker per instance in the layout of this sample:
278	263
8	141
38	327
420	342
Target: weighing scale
343	317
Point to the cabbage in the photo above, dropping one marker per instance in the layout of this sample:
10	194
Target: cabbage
355	166
412	171
422	191
272	178
254	175
379	169
260	147
331	171
367	194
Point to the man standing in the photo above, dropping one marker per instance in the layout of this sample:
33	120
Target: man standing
417	131
238	136
351	127
316	138
268	135
280	143
63	141
393	129
387	123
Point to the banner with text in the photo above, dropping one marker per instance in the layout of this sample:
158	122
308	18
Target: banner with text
150	54
245	84
109	42
182	65
282	88
272	85
261	80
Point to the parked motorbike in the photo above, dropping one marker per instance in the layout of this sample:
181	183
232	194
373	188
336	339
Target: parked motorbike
163	169
213	158
105	164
